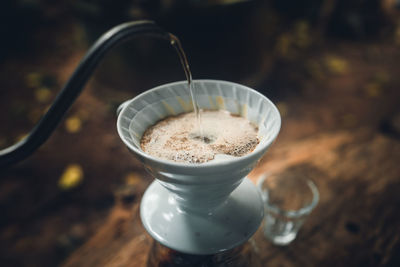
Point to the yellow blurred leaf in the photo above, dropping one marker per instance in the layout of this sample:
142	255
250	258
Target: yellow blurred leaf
336	65
71	177
33	79
373	89
42	94
132	178
73	124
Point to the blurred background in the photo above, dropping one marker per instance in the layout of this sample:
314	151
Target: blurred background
330	65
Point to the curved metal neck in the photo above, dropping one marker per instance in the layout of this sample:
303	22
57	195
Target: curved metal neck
43	129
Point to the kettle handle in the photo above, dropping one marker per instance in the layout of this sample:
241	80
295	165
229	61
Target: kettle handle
43	129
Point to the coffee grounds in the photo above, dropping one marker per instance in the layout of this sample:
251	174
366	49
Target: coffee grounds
178	138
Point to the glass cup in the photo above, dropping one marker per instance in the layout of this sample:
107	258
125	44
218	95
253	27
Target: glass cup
288	200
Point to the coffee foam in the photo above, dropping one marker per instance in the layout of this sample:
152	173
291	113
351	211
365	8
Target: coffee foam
178	138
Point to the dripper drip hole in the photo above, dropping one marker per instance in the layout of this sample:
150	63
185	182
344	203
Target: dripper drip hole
205	138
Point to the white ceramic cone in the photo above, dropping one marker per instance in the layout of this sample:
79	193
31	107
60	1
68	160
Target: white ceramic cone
200	208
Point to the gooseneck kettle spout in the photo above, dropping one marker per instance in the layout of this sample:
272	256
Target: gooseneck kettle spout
43	129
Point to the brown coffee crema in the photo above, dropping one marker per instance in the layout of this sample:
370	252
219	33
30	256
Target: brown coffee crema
178	138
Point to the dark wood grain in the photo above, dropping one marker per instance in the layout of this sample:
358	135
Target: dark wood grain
356	222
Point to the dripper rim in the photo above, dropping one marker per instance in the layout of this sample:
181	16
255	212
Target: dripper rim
256	153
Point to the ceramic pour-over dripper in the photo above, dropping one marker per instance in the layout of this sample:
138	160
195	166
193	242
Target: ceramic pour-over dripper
200	208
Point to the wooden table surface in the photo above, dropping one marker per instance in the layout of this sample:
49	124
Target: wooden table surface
356	223
335	95
342	137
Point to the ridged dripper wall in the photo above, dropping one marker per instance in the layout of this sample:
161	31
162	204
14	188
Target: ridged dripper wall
200	208
174	98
